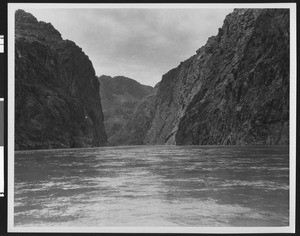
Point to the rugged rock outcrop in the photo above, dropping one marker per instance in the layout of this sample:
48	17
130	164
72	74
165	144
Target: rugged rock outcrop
120	96
235	90
57	101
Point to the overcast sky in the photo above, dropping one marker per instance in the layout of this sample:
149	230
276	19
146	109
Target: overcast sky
142	44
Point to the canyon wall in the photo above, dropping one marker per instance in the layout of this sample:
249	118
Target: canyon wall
234	90
57	101
119	96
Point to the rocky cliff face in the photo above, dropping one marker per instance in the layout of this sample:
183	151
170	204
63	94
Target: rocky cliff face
120	96
57	102
235	90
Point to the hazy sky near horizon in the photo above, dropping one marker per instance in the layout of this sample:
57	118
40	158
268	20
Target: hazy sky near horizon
142	44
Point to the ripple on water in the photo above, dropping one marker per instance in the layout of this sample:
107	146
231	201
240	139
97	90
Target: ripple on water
153	186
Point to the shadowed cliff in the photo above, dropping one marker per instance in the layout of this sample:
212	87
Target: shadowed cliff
57	101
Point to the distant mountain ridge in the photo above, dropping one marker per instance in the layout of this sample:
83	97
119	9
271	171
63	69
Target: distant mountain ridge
233	91
119	96
57	102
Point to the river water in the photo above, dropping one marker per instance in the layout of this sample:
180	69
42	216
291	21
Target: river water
153	186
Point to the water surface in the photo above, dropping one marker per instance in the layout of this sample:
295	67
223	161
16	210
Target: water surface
153	186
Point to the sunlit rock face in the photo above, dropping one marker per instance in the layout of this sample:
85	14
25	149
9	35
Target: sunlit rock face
57	101
234	91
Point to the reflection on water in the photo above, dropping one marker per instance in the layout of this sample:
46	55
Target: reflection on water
153	186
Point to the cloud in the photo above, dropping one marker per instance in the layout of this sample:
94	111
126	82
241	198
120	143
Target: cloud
142	44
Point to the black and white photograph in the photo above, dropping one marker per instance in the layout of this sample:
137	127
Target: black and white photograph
160	118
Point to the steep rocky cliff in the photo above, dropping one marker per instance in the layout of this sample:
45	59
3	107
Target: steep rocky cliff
57	101
235	90
119	96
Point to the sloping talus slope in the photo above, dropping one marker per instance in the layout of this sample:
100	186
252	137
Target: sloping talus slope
57	101
235	90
